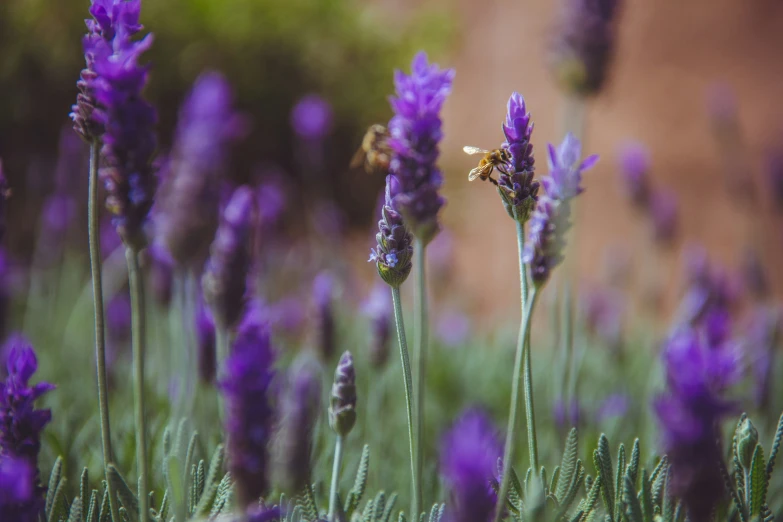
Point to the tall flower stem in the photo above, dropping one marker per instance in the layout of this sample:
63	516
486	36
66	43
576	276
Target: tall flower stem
93	217
406	374
222	350
420	346
138	343
338	457
508	453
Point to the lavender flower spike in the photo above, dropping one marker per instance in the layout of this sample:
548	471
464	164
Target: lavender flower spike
20	423
249	412
225	277
552	217
190	196
634	163
342	403
18	500
393	254
517	187
323	290
584	44
301	406
129	141
415	132
469	454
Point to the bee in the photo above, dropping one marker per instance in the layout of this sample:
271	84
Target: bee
375	153
493	159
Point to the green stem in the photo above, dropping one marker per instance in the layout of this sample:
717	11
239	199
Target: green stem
93	216
406	374
222	349
338	457
420	346
138	343
508	453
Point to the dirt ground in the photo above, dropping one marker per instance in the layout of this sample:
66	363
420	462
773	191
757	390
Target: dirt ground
669	53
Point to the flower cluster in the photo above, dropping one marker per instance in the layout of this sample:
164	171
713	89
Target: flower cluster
342	402
584	44
516	186
415	131
249	411
21	426
469	455
393	254
551	219
225	277
188	215
699	367
18	500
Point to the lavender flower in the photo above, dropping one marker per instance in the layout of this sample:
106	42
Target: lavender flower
323	290
516	187
709	288
161	272
634	163
190	197
378	308
342	402
300	407
129	140
664	214
415	132
615	405
393	254
584	44
19	500
249	411
453	328
118	325
469	453
690	414
760	343
260	514
205	342
551	219
603	310
224	280
311	117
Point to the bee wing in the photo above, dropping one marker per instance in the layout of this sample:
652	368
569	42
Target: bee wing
479	171
473	150
358	158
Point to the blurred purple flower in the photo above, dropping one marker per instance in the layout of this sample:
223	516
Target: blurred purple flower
567	414
260	514
690	413
206	127
415	132
440	253
517	188
584	44
617	265
634	160
161	272
288	314
225	277
469	454
761	340
615	405
378	308
271	202
328	221
564	181
664	213
392	256
323	292
249	411
453	328
19	500
205	342
118	325
311	117
342	399
708	288
603	309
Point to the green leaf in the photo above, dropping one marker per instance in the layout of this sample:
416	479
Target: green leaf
401	517
84	488
164	506
54	481
591	501
124	493
105	514
619	477
310	508
199	480
646	497
380	504
758	482
553	481
59	506
633	508
739	478
175	485
568	464
775	447
434	513
658	480
572	490
166	442
387	513
368	515
75	514
221	495
603	464
357	492
633	465
92	511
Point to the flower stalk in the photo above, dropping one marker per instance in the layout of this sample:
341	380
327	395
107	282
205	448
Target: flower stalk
420	351
100	337
338	457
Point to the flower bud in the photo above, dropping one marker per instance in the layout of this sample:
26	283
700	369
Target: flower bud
747	438
342	403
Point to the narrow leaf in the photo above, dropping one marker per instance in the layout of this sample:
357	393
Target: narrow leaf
633	465
758	482
75	514
568	464
54	481
775	447
633	508
124	493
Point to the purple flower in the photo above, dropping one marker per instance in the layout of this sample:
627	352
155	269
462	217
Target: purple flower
709	288
288	314
311	117
517	187
453	328
225	276
634	160
415	132
760	343
205	342
323	291
378	308
110	17
565	170
249	412
690	413
161	272
258	514
469	455
19	500
584	44
393	254
129	140
271	201
603	310
190	197
299	410
118	325
615	405
342	401
664	215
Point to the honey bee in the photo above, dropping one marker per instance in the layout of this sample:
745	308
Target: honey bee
374	153
493	159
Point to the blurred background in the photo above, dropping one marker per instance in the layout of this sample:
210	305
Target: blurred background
681	76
